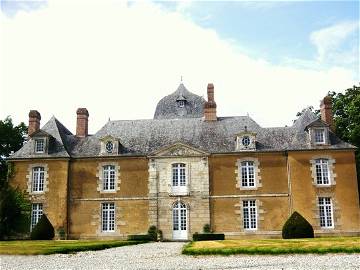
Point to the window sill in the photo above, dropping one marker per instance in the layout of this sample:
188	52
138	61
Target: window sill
179	193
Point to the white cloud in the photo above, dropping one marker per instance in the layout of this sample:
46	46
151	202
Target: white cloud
119	60
329	40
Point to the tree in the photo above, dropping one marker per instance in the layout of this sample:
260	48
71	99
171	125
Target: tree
14	207
297	227
346	111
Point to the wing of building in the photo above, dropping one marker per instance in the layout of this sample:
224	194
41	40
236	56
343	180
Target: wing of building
188	167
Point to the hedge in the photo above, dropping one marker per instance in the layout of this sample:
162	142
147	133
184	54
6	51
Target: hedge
208	236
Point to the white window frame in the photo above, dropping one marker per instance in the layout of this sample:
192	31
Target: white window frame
181	103
326	212
108	217
250	215
179	177
41	142
36	213
319	133
38	179
322	172
109	177
247	172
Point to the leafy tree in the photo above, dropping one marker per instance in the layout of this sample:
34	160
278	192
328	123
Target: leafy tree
346	110
14	207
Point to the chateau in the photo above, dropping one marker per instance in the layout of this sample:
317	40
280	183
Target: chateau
188	167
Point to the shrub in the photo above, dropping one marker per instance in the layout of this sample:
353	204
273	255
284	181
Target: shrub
43	230
153	232
206	228
140	237
297	227
61	232
208	236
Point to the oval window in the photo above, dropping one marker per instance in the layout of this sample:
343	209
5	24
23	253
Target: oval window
246	141
109	147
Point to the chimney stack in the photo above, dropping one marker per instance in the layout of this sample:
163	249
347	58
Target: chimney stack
34	122
326	112
210	105
82	122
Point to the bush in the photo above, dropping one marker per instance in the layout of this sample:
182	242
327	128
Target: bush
61	232
140	237
206	228
297	227
208	236
153	232
43	230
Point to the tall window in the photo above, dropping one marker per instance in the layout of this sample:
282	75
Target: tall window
322	171
249	215
319	136
39	146
108	217
247	174
36	213
326	212
179	216
109	177
38	179
178	175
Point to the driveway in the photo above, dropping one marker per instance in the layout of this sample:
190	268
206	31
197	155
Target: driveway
168	256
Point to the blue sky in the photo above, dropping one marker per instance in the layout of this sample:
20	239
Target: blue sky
277	31
268	59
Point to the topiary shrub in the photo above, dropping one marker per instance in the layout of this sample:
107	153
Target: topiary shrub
206	228
43	230
297	227
153	232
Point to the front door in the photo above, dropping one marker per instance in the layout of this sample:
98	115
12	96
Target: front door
180	221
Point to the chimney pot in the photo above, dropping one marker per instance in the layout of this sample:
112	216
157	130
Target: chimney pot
82	122
34	122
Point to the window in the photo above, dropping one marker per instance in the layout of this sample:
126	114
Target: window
319	136
109	178
249	215
179	178
36	213
109	147
38	179
246	141
247	174
39	146
108	217
181	103
322	171
326	212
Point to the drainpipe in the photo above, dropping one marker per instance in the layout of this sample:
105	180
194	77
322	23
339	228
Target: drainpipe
288	169
68	201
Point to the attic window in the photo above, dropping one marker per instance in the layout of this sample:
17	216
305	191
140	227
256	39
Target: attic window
39	146
319	136
246	141
109	147
181	103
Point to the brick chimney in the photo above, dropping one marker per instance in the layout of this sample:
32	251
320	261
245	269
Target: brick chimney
210	105
326	112
34	122
82	122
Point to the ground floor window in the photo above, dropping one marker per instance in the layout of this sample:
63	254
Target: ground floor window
249	215
36	213
108	217
326	212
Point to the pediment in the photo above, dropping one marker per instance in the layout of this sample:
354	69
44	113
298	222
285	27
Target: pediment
40	133
108	138
317	123
180	150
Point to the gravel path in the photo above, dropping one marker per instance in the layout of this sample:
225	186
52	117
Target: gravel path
167	256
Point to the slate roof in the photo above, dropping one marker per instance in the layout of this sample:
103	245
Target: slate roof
168	108
143	137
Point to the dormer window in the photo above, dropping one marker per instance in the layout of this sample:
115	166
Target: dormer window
319	135
246	141
181	103
39	145
109	147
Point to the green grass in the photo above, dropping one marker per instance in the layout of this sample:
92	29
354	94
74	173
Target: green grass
28	247
275	246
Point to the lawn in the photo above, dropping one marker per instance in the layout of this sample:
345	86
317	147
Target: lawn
275	246
28	247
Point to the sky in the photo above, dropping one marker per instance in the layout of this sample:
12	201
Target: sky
118	59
